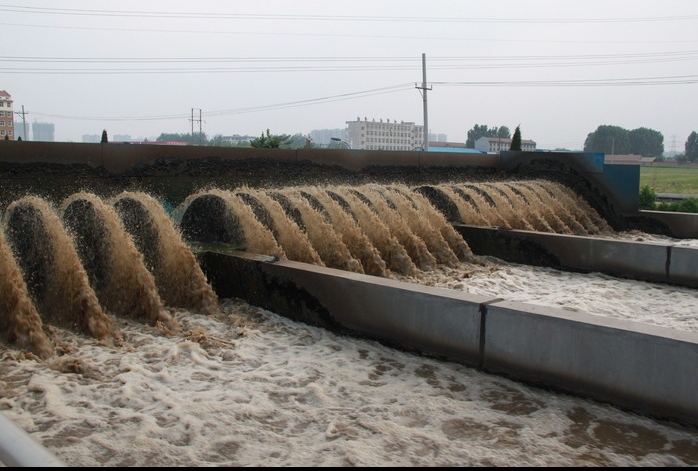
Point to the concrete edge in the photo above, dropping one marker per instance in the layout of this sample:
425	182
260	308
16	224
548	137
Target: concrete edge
640	367
655	262
647	369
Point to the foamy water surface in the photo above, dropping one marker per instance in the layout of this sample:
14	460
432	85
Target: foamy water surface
250	388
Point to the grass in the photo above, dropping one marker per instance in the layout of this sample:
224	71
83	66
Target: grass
682	180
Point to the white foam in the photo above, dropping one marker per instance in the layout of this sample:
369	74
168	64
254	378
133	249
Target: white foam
251	388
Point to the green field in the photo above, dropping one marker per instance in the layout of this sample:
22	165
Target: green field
683	180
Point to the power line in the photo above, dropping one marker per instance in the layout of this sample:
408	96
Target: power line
623	82
336	35
305	17
253	109
189	65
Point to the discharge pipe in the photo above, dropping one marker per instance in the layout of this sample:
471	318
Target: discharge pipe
19	449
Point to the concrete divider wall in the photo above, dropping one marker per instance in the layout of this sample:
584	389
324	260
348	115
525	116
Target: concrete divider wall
662	263
429	320
648	369
632	365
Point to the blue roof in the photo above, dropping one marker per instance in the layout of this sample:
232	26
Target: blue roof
455	150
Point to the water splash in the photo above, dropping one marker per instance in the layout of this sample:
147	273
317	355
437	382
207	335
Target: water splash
116	267
20	322
53	272
178	276
130	257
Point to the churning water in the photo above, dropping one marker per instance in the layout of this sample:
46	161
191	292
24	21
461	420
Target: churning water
118	353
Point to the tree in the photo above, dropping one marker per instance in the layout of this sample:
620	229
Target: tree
218	141
271	141
7	138
299	141
479	131
608	140
19	138
692	147
646	142
648	198
199	138
105	139
516	140
616	140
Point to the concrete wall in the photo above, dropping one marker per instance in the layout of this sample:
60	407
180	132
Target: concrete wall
119	158
662	263
631	365
440	322
643	368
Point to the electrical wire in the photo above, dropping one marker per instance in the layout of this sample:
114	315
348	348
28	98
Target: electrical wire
336	35
253	109
299	17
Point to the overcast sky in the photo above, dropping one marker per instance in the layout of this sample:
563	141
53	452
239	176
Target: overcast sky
559	69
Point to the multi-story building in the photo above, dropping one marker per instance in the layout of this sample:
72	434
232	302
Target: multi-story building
494	145
379	135
325	137
43	131
7	117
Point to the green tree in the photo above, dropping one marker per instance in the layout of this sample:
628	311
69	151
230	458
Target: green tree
479	131
648	198
608	140
692	147
271	141
646	142
299	141
218	141
105	138
516	140
7	138
197	138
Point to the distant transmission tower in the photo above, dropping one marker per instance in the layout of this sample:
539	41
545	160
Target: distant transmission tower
192	126
673	143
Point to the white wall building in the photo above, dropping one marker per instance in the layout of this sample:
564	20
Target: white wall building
384	135
323	137
494	145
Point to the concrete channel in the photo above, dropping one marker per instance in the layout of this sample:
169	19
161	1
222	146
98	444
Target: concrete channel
647	369
654	262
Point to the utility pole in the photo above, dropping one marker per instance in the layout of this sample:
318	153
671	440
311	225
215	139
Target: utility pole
24	122
423	90
192	125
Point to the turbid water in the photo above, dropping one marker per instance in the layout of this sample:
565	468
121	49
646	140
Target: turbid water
151	369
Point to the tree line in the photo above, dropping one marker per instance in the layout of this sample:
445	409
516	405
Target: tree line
606	139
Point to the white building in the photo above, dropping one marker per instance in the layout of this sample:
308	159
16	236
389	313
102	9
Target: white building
495	145
380	135
324	137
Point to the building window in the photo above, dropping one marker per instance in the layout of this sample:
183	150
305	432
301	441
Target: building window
2	132
2	123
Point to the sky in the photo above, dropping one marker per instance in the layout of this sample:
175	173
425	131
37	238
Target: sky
556	69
